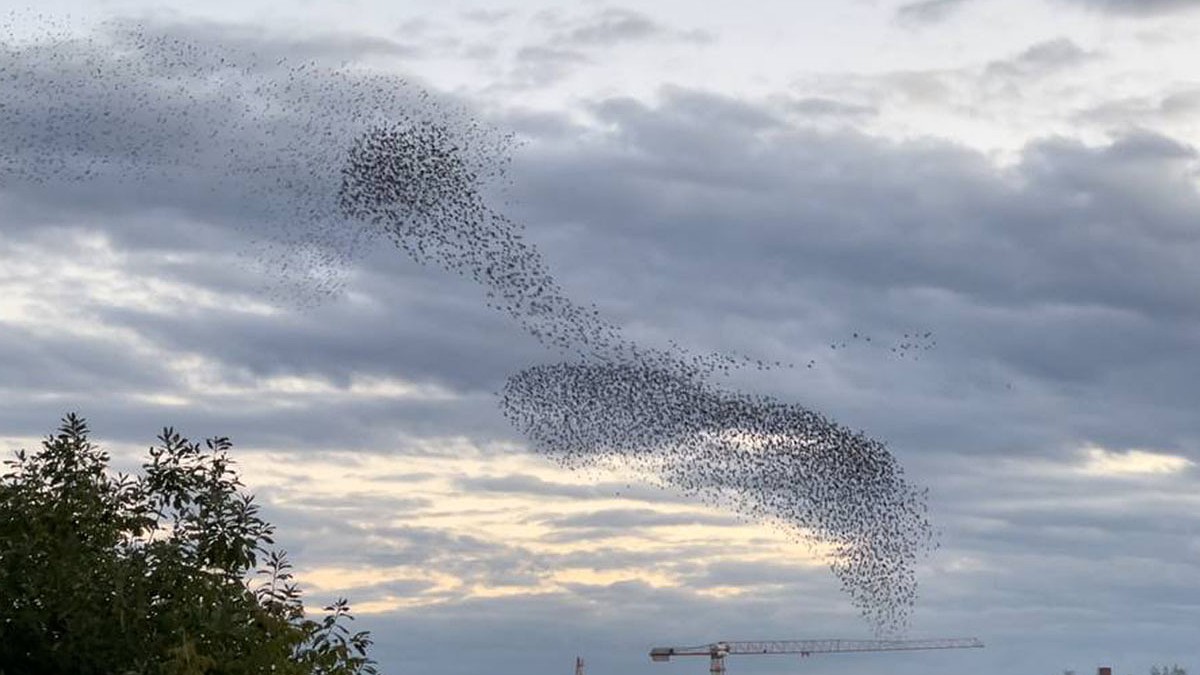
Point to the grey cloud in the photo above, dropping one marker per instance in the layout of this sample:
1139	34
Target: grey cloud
488	17
1041	59
483	53
817	106
318	426
73	366
475	561
748	575
1150	147
537	123
540	65
1016	83
577	532
329	344
922	87
325	537
1182	103
545	55
585	535
263	346
612	26
672	139
1127	113
327	46
404	477
388	503
685	558
928	11
574	42
533	486
406	588
637	518
706	109
1020	537
1143	8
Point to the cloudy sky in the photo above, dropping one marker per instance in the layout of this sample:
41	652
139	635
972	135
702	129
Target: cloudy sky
1017	178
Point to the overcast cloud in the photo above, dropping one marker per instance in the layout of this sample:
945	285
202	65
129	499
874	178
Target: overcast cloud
1137	7
1013	228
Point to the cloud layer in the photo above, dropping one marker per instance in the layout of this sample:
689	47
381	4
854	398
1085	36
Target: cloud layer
1053	419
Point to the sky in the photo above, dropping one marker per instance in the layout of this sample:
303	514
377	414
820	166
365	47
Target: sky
773	179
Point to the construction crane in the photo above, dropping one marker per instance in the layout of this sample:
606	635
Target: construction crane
717	651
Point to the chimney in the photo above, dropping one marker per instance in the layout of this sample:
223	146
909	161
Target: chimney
1104	670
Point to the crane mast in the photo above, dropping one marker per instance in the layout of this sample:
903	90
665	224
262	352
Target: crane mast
717	651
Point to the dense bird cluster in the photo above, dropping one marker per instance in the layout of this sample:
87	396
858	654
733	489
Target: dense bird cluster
775	461
420	184
656	411
318	163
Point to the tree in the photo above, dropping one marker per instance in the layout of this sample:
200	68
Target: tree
1174	669
167	572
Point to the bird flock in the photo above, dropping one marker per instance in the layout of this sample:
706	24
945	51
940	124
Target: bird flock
910	346
319	163
658	412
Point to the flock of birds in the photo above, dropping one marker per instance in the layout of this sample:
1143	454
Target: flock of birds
910	346
774	461
658	412
325	161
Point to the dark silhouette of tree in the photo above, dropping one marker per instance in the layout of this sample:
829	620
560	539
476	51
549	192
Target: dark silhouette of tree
168	572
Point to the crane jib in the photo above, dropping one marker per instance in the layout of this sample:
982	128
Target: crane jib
719	650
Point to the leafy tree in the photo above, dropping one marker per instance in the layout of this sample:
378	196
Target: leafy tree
167	572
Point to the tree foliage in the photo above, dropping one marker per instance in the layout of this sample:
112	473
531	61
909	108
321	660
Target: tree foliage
169	571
